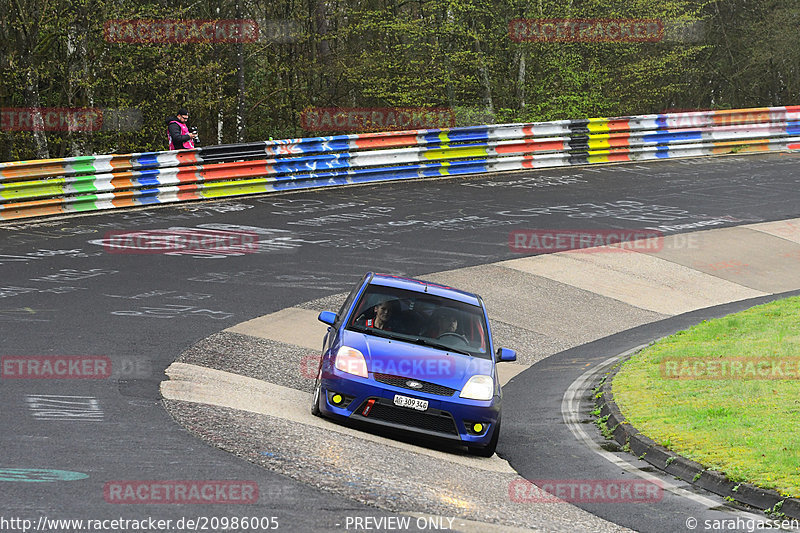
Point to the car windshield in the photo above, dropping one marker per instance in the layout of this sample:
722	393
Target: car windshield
421	318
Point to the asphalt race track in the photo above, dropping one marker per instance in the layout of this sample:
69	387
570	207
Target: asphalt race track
65	292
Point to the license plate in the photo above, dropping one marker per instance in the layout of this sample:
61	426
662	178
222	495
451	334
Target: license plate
414	403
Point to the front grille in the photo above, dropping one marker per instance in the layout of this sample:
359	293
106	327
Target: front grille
430	420
430	388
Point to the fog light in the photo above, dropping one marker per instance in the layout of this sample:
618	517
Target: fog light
337	399
477	428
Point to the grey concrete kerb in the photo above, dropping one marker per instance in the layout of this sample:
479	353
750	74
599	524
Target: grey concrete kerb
676	465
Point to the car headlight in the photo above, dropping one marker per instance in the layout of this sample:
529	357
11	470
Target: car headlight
478	388
351	361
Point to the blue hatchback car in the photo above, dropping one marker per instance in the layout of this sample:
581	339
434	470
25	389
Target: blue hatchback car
414	356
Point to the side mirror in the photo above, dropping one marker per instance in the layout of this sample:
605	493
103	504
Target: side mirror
506	355
327	317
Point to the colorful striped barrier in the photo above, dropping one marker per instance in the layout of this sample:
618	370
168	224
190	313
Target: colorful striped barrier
81	184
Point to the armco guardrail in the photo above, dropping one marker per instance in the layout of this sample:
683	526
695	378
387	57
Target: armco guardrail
80	184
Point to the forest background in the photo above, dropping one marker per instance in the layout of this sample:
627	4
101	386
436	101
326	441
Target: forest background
457	55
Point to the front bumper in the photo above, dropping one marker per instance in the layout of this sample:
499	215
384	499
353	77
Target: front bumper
445	418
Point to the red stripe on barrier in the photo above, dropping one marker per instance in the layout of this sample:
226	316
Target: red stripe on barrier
32	208
529	145
189	192
386	142
245	169
187	157
618	125
123	201
189	174
27	170
617	140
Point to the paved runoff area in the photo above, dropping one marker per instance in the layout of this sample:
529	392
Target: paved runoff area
247	389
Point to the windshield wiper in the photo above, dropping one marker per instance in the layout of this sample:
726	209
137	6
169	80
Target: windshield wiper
373	331
432	344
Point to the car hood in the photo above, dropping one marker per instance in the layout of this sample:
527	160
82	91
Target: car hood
423	363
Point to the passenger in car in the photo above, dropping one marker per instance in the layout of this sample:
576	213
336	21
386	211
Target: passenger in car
443	321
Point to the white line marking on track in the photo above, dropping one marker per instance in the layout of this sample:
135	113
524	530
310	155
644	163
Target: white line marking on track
570	412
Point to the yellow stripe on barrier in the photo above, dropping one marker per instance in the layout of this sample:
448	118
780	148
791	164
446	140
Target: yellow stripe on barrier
455	153
32	189
599	142
230	188
598	125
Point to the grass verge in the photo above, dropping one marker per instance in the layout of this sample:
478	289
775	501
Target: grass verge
725	393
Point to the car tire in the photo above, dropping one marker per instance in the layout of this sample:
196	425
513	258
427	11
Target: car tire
315	397
488	450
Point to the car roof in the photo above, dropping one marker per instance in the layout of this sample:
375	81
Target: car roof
419	285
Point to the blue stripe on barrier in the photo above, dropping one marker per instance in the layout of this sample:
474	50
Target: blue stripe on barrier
147	159
669	136
405	171
301	164
148	196
303	183
148	177
323	145
473	168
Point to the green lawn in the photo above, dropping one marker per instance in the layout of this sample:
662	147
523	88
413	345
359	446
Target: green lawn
745	421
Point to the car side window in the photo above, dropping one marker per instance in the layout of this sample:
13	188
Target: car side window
348	302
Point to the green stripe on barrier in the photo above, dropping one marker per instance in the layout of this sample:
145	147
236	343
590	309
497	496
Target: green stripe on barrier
83	165
84	203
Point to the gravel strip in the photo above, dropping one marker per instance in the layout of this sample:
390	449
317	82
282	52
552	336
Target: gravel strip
267	360
391	479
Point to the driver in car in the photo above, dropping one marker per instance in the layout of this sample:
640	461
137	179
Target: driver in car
384	316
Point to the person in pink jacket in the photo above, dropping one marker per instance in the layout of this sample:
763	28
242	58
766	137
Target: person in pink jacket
180	138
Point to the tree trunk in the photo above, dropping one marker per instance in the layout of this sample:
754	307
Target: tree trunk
242	101
521	81
34	103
